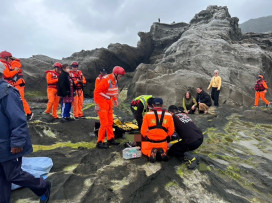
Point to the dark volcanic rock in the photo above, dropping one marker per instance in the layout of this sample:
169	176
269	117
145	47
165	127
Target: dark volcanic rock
211	41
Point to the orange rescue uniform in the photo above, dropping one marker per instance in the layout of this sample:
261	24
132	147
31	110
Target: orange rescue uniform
79	81
97	80
53	98
15	78
156	135
108	86
261	94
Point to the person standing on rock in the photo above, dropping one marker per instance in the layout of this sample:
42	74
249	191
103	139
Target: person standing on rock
215	84
15	143
204	100
80	82
105	94
157	129
52	78
13	74
140	106
66	90
188	137
103	72
261	89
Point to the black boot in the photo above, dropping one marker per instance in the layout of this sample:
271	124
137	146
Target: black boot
112	142
102	145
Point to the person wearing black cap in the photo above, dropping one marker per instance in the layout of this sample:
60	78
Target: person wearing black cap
103	72
188	137
157	128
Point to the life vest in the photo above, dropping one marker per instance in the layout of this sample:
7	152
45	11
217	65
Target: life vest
113	89
77	75
54	76
18	78
259	87
143	99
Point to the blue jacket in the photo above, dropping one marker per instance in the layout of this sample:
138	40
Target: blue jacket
13	125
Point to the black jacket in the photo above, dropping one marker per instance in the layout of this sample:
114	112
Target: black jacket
204	97
186	129
64	85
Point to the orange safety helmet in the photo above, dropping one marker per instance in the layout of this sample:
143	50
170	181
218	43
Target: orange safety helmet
5	54
118	70
57	65
74	64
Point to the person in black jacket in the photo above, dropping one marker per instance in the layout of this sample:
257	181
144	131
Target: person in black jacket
188	137
66	90
204	100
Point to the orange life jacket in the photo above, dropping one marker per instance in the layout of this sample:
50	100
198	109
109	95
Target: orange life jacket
12	76
52	78
77	75
113	89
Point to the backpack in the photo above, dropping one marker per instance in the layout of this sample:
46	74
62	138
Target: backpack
259	86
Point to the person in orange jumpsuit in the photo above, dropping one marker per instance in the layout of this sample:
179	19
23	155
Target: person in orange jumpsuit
261	89
80	82
103	72
105	94
13	74
157	129
53	98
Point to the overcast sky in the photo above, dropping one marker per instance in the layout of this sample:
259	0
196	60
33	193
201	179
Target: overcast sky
58	28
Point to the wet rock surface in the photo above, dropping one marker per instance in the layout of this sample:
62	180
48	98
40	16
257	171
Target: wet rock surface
235	162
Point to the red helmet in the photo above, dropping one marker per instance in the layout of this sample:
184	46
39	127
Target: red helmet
5	54
57	65
118	70
74	64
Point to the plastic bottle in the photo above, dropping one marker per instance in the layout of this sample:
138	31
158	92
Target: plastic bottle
132	152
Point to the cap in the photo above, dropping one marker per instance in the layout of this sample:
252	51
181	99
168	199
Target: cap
158	101
2	67
103	70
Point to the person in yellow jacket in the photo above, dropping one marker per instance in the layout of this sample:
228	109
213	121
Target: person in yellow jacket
215	84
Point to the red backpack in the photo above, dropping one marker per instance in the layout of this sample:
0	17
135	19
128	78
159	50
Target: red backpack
259	86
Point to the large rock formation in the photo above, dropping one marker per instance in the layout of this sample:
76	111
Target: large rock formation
211	41
257	25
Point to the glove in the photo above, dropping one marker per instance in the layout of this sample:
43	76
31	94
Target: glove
115	103
168	139
96	108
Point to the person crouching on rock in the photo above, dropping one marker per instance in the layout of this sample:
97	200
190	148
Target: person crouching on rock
66	90
157	128
188	137
140	106
52	78
261	89
204	100
189	103
105	94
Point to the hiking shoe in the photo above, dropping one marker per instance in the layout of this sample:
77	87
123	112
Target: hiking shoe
162	155
45	197
153	155
76	118
29	117
102	145
112	142
267	105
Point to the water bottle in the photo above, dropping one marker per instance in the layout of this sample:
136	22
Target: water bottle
132	152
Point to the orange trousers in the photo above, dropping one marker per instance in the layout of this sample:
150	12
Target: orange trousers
106	120
78	103
21	90
53	101
261	95
148	146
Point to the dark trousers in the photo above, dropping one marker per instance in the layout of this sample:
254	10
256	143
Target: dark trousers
178	149
11	172
215	96
65	110
138	116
